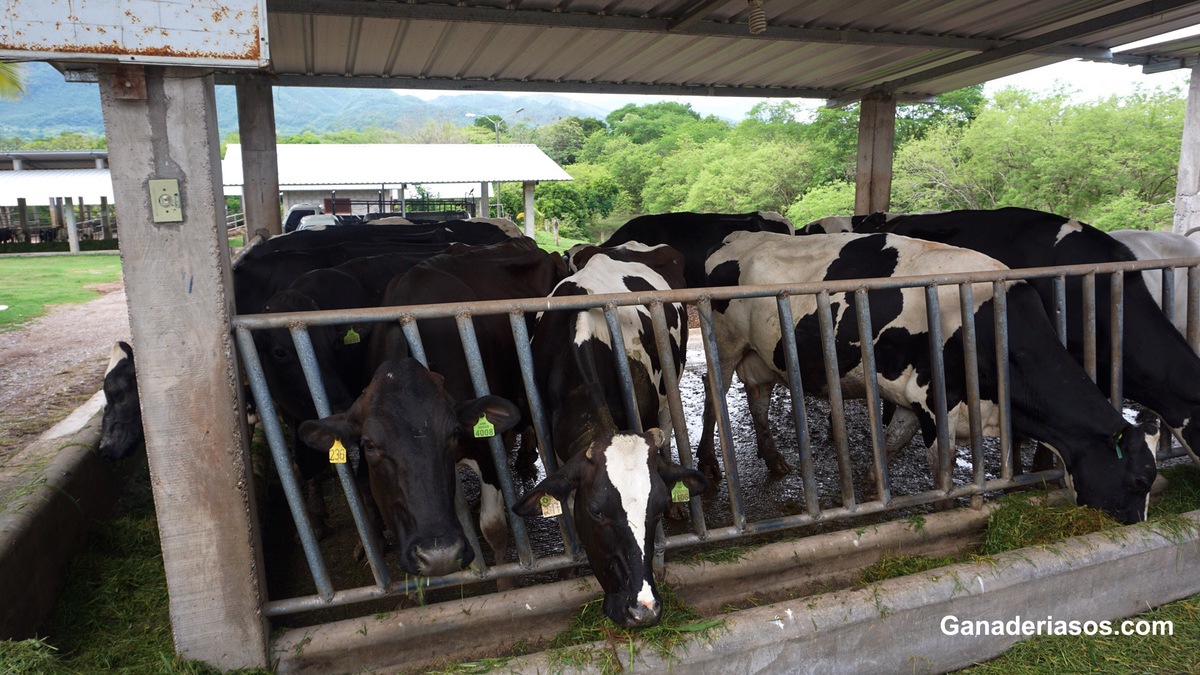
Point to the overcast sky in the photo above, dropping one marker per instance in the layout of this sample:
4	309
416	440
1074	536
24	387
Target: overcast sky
1090	80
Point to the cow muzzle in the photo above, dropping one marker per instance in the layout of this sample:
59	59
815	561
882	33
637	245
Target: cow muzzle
639	615
437	560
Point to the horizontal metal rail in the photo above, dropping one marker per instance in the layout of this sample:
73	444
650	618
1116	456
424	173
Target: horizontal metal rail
881	498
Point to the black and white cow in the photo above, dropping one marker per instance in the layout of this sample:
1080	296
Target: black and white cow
1147	245
694	234
121	426
621	487
1161	372
1107	460
408	445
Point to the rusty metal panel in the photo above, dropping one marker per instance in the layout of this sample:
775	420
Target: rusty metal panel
225	33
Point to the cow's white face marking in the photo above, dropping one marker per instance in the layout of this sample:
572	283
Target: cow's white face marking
116	356
627	460
1067	228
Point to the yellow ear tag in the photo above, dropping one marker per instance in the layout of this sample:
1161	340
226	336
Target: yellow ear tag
550	506
680	493
484	428
337	452
351	338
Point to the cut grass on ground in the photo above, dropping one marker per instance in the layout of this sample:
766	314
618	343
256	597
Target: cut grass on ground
546	241
28	285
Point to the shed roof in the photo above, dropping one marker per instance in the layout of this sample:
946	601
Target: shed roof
40	185
392	164
836	49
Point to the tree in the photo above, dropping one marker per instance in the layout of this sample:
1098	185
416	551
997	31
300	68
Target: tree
646	123
562	140
831	199
12	80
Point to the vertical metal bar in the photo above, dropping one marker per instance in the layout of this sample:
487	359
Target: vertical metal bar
808	473
461	511
470	344
1003	394
1193	308
1116	336
946	452
666	357
540	428
721	412
628	396
1060	308
1168	294
312	374
866	344
1089	326
283	463
837	407
966	302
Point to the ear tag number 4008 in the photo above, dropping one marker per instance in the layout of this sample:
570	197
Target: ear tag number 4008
484	428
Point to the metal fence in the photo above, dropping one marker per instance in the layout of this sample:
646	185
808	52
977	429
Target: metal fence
702	299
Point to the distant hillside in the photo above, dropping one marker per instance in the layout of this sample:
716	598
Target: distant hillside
52	106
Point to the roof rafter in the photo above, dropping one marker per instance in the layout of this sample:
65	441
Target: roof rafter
687	24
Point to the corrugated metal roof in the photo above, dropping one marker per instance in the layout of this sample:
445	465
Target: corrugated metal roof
39	186
819	48
393	164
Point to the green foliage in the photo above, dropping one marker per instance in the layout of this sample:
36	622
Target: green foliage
30	284
578	204
1021	521
832	199
892	566
646	123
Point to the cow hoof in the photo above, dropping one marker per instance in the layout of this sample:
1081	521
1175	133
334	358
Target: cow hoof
778	465
711	471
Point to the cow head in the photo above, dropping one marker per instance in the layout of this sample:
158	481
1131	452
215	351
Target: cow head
411	433
1116	478
621	488
121	426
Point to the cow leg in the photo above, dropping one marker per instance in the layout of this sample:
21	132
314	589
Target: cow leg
706	451
900	430
527	454
758	396
311	469
493	522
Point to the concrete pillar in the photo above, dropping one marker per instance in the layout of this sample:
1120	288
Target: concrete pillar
179	289
18	164
403	202
23	216
528	187
482	211
876	139
72	226
260	165
104	224
54	213
100	163
1187	190
83	215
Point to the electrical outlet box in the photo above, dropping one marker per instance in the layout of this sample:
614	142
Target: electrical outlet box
165	206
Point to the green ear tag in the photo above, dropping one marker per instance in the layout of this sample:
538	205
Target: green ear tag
680	493
337	452
484	428
1117	446
352	338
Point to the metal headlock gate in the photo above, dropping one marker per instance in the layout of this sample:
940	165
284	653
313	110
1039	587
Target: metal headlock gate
516	310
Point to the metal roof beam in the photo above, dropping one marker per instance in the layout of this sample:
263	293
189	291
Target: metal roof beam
1039	43
688	23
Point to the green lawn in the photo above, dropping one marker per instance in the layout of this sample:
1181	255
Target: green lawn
28	285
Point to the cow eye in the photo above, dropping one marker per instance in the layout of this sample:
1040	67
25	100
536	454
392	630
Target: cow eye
596	514
371	450
279	353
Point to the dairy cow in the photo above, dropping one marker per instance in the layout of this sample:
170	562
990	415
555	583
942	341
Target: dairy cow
1107	459
1160	370
423	441
1158	246
121	424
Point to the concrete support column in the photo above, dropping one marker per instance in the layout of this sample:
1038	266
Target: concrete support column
72	226
876	140
528	189
104	224
482	211
1187	191
179	290
403	199
260	165
54	213
23	216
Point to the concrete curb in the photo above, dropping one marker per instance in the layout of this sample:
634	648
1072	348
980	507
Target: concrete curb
895	626
45	526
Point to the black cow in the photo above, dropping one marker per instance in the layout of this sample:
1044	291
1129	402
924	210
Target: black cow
1107	460
513	269
622	486
121	426
468	232
694	234
1160	370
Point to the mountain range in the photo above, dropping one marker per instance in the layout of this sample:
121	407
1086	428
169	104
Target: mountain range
51	106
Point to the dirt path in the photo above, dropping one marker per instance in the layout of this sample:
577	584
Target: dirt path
55	363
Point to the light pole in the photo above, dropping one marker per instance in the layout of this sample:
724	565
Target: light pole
496	120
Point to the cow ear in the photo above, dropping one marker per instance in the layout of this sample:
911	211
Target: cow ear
694	480
559	486
320	434
655	437
500	413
